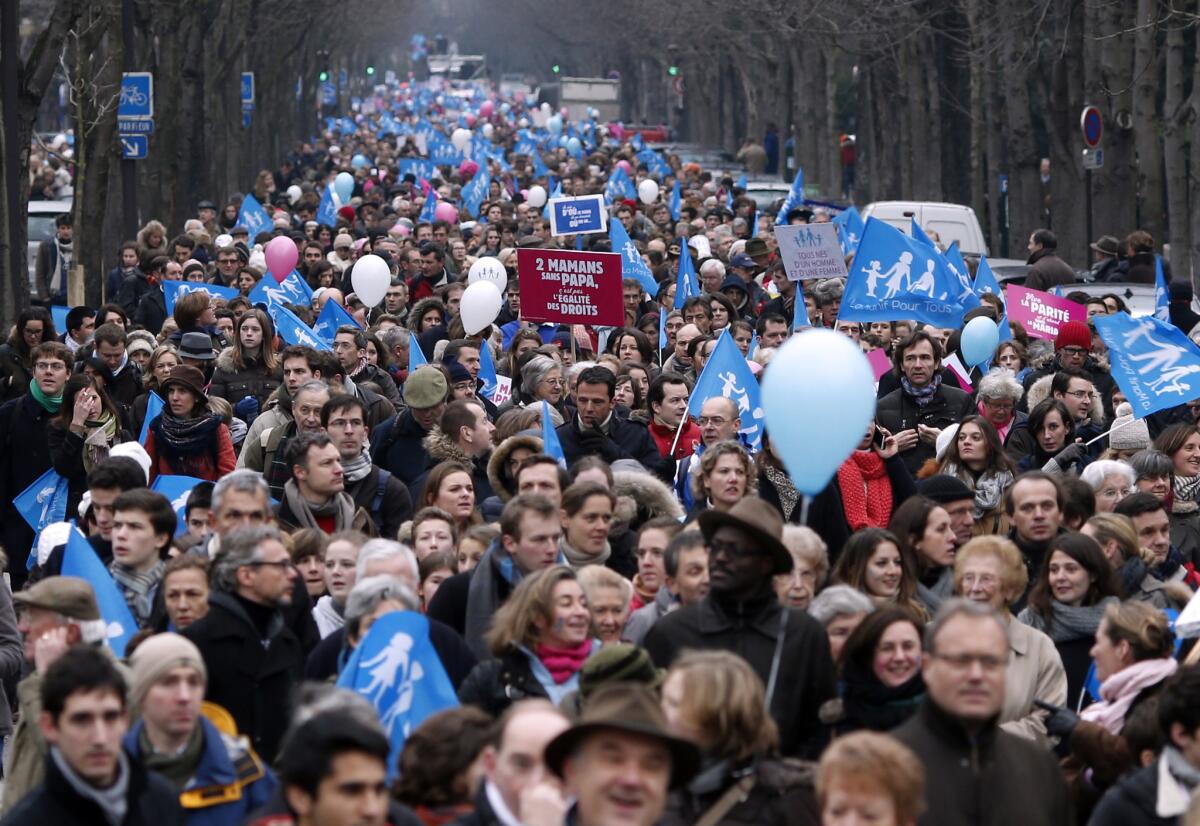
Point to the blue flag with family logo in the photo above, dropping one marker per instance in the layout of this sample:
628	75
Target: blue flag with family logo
292	290
919	235
958	268
894	276
632	263
727	373
686	282
654	162
253	217
1162	296
619	187
429	211
327	209
487	371
154	409
986	282
795	197
416	357
398	671
80	560
474	193
333	315
850	229
556	193
172	290
662	328
1154	363
42	503
551	445
177	489
294	331
675	202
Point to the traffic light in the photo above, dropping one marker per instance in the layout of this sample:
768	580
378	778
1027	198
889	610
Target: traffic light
555	68
673	71
370	70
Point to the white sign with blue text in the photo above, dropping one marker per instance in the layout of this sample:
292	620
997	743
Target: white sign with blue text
578	216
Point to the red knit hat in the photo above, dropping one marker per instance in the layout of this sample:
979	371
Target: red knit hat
1073	334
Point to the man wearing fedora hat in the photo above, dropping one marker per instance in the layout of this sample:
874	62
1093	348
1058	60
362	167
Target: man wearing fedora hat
787	647
1105	250
619	760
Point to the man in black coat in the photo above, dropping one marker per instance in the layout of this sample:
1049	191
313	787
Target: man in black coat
372	488
254	660
981	775
741	614
397	444
595	431
923	406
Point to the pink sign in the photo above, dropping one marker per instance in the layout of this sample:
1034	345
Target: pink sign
1041	314
880	362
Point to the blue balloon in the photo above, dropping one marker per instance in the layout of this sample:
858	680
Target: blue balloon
563	141
818	399
554	125
343	186
359	161
574	146
505	108
979	340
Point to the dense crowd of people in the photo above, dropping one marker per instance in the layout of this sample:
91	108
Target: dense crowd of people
641	616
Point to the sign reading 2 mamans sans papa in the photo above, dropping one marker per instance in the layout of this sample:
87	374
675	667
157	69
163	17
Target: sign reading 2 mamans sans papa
1041	314
568	287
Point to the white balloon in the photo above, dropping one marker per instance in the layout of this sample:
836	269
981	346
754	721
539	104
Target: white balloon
545	107
488	269
223	240
294	192
479	306
488	131
461	138
648	191
370	278
537	196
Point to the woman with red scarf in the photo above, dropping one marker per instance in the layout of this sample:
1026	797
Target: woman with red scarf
873	481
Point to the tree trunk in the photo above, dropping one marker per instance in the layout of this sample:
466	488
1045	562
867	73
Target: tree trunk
1176	112
1146	133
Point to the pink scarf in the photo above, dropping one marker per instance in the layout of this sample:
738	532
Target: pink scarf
1120	690
563	663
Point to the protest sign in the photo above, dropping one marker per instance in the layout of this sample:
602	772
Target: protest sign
578	216
1041	314
880	363
569	287
811	251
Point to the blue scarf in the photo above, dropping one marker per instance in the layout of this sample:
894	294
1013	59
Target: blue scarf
923	395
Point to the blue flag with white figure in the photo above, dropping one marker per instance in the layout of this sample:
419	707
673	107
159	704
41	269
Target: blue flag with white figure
795	197
654	162
632	263
850	229
398	671
487	371
728	374
333	315
1153	362
986	282
292	290
1162	296
428	211
294	331
327	209
172	290
551	446
958	268
919	235
80	560
476	190
686	282
253	217
895	276
177	489
416	357
154	409
662	328
43	503
675	202
619	187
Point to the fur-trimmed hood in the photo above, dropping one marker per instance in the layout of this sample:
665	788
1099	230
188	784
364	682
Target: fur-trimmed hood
423	306
441	448
225	360
497	469
1039	391
641	497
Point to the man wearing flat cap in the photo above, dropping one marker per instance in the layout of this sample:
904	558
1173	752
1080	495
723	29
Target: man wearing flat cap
785	646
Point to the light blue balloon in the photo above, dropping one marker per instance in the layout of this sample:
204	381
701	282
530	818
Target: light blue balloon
343	186
818	399
979	340
574	146
505	108
554	125
359	161
563	140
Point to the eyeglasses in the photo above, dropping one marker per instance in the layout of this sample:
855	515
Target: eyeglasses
553	382
715	421
982	580
1074	351
997	405
732	550
50	365
281	564
1079	394
963	662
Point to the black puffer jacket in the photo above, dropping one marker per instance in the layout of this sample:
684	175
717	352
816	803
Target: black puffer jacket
494	685
15	371
233	383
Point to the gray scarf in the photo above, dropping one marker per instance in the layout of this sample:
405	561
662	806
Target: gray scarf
340	506
577	559
357	469
113	801
138	588
1184	772
989	487
1068	622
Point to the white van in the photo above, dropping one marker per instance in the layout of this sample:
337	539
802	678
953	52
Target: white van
952	222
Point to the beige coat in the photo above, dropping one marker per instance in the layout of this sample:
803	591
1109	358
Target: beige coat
1035	672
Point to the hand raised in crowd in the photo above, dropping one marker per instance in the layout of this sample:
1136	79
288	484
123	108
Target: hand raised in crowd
890	443
49	647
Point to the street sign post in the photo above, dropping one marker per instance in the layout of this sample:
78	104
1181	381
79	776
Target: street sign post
137	96
1091	124
134	147
248	88
135	127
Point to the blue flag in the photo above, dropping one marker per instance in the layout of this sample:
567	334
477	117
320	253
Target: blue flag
292	290
416	357
632	263
540	170
154	409
172	290
397	669
919	235
662	328
333	315
795	197
253	217
654	162
727	374
427	211
741	182
327	209
800	309
555	193
895	276
850	229
551	446
958	268
619	187
58	314
686	282
42	503
177	489
1162	296
675	202
752	346
80	560
986	282
1154	363
474	193
487	370
294	331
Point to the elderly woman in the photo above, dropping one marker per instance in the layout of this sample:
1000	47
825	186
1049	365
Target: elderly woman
810	566
541	380
608	599
867	777
715	700
1110	480
996	400
990	569
1153	472
840	608
369	599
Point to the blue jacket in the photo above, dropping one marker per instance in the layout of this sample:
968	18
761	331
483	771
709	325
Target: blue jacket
230	783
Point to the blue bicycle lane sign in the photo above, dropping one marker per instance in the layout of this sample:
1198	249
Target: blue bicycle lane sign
137	96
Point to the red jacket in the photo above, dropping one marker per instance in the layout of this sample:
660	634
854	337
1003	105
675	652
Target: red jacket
664	436
207	466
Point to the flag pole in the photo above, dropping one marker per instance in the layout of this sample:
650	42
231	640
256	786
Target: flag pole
683	420
1110	430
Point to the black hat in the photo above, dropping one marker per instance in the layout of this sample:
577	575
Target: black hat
944	489
206	205
755	517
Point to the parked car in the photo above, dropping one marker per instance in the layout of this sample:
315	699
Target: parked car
40	226
1139	298
951	222
765	193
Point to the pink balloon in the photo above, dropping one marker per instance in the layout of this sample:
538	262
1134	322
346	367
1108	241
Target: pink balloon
467	169
403	230
625	165
281	257
442	212
565	113
470	120
486	108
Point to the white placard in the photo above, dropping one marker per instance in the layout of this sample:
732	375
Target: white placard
810	251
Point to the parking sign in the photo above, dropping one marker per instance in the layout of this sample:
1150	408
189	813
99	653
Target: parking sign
137	96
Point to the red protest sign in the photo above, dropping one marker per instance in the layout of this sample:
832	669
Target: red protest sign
568	287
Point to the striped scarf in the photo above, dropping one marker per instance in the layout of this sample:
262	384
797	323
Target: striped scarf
138	588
